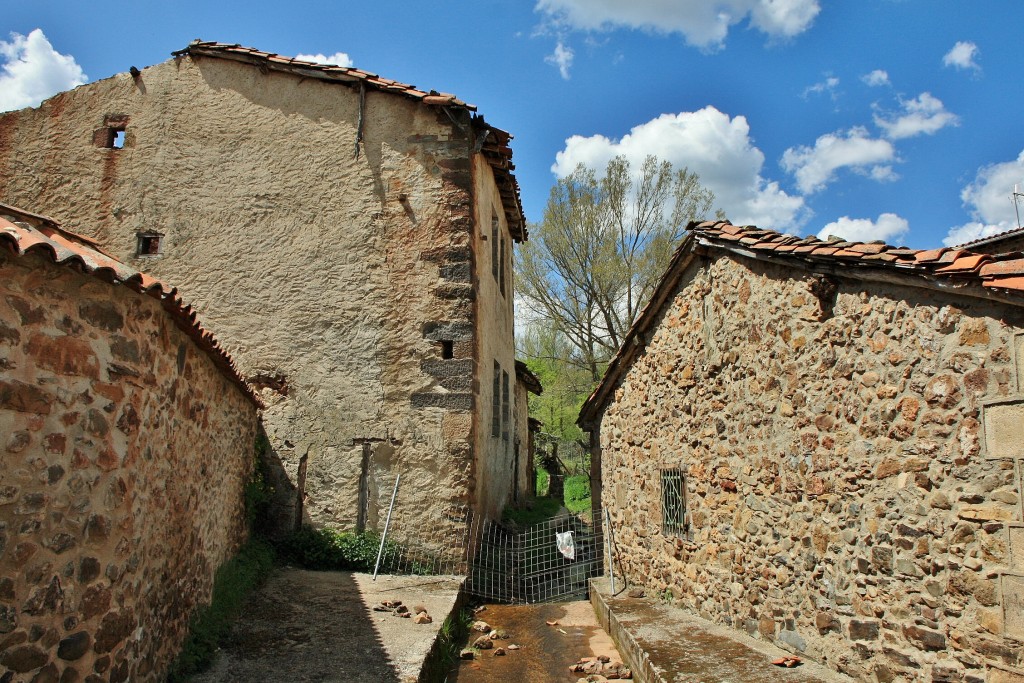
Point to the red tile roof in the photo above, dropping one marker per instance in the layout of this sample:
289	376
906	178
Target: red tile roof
956	271
495	147
999	237
22	232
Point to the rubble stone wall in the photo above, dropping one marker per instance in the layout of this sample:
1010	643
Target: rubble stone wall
125	452
331	257
852	464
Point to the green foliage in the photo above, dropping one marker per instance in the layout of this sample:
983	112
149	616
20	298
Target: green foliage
258	492
329	550
577	494
593	262
538	510
543	481
234	581
566	386
445	655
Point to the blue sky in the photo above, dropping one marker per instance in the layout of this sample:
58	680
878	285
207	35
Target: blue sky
875	119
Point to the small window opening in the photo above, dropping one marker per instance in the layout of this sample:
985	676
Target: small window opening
447	349
118	140
673	502
149	244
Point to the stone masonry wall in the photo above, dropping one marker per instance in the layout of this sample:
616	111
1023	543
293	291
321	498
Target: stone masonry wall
124	456
852	469
339	280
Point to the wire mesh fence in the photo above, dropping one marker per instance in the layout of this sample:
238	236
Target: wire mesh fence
545	562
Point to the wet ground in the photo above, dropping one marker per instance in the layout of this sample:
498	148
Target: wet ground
545	652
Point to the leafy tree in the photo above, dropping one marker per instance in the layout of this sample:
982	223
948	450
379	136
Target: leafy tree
593	262
547	354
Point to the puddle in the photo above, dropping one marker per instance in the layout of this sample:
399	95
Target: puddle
546	652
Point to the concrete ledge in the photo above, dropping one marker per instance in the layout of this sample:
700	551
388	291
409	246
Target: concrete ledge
663	644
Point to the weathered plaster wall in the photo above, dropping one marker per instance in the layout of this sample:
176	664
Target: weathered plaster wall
842	500
124	456
332	277
496	343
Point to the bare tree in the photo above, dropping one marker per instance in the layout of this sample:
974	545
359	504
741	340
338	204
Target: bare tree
594	260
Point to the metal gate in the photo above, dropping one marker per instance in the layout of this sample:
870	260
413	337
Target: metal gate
547	562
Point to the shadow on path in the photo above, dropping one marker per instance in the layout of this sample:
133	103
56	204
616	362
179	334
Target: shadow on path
321	626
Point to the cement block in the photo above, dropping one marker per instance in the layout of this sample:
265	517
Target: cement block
1004	429
1013	606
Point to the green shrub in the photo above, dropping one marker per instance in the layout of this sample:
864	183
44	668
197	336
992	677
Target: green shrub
543	479
326	549
258	492
233	582
577	494
534	512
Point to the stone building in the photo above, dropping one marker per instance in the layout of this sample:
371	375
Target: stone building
126	440
523	487
820	443
1004	242
348	237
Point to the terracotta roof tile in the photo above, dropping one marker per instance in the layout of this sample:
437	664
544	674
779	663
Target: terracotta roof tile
1004	272
23	232
998	237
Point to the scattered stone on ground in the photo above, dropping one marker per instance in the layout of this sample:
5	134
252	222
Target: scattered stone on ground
483	643
305	627
540	652
481	626
603	666
636	592
467	653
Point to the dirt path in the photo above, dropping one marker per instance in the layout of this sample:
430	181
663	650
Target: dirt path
321	626
546	652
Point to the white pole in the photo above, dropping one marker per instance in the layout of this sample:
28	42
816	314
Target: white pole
387	523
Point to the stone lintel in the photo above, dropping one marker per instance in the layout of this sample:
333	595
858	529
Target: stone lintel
1003	428
453	367
448	330
449	401
1015	543
999	673
1018	359
1012	590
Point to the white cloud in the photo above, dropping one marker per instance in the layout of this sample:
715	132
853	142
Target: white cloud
337	59
562	58
708	142
876	78
988	201
32	71
923	115
887	228
815	167
962	55
828	85
703	24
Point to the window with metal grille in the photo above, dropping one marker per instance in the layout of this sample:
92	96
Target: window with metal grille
496	401
504	405
673	502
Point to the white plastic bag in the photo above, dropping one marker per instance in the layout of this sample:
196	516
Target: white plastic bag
566	545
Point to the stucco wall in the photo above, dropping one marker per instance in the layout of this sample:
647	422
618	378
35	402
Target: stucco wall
845	499
332	277
496	344
124	456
